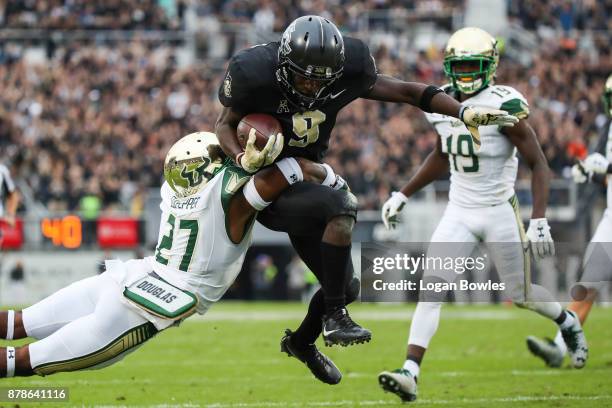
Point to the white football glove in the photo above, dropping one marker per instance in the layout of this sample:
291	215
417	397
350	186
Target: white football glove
252	159
596	163
580	175
540	240
474	116
333	180
392	207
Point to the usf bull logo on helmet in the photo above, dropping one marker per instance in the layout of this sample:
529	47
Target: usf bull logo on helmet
189	165
475	46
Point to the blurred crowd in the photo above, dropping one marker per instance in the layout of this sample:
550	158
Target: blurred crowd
276	15
377	149
567	15
88	14
97	121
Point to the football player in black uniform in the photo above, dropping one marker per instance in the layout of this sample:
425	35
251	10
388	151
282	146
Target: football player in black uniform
304	81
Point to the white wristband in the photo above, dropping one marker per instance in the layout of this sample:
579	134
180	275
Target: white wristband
10	324
252	196
291	170
10	361
238	157
330	178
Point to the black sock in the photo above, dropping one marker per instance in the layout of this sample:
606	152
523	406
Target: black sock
415	359
334	264
561	318
310	328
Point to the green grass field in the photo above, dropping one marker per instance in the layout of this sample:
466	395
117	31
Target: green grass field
231	358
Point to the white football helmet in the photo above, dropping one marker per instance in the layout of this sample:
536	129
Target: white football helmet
189	165
474	45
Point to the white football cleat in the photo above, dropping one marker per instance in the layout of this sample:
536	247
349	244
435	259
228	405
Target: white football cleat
575	340
400	382
547	350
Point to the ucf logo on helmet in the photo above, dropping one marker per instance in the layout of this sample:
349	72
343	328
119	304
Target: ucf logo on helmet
285	48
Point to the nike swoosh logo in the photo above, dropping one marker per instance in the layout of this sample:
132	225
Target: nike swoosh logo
334	96
327	333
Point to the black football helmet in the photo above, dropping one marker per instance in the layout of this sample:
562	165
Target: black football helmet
312	50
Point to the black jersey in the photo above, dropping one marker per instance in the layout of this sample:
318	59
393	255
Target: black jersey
250	86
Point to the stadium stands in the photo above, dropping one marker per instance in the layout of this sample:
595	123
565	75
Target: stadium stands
97	120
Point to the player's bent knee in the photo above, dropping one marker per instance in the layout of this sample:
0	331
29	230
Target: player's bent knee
437	295
352	290
518	295
340	203
523	305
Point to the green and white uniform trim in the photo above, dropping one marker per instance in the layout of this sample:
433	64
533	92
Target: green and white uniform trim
117	347
485	176
194	251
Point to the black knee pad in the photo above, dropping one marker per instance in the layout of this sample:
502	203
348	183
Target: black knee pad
305	209
352	290
340	202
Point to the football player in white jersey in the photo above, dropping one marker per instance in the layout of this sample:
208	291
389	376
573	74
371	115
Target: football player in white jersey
597	265
208	210
482	203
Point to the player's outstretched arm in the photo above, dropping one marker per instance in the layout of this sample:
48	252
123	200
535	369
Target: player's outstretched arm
267	184
432	99
434	167
427	98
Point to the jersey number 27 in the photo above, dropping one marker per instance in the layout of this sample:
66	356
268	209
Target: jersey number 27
167	241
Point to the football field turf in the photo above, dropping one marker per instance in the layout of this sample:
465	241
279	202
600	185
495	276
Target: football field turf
231	359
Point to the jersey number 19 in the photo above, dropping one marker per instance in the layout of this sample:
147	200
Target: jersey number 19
461	151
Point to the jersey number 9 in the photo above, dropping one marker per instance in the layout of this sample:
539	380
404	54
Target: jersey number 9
306	127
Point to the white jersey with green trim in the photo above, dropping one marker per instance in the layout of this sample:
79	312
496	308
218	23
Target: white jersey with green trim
486	176
609	157
194	251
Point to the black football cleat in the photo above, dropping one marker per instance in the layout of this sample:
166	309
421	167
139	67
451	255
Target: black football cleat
339	328
318	363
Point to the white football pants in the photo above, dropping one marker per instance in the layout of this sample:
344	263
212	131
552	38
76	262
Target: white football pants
85	325
499	226
598	257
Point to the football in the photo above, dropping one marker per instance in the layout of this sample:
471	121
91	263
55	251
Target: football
264	125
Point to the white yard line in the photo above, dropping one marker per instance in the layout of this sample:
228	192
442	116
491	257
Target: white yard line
305	376
375	403
382	315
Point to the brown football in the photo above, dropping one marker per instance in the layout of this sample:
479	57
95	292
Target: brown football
264	125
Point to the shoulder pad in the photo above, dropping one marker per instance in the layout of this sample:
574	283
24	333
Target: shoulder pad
508	99
359	64
248	70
